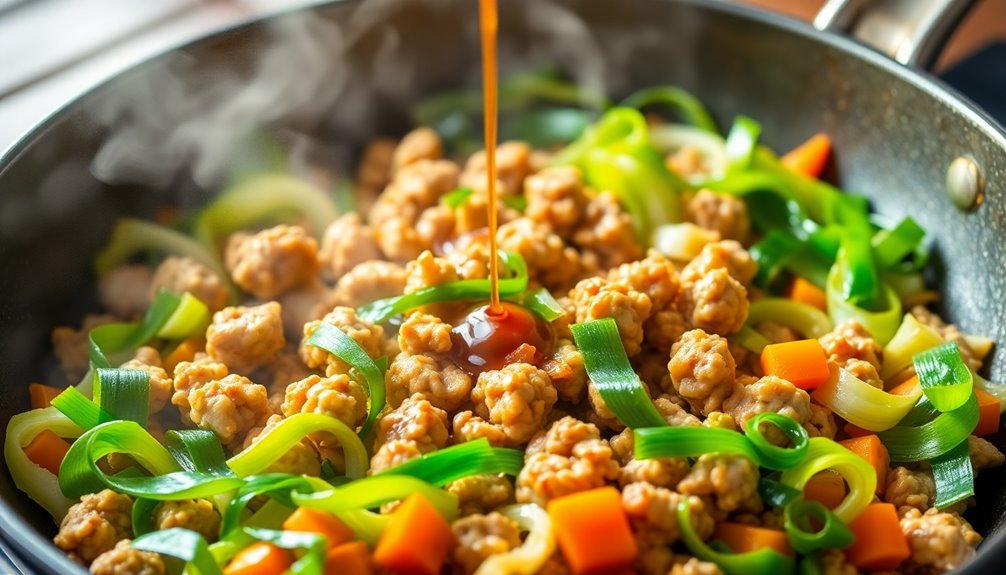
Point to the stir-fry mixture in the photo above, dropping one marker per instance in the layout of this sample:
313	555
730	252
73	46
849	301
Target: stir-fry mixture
706	360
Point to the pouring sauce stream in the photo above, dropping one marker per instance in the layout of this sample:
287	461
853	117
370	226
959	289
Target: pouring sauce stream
489	23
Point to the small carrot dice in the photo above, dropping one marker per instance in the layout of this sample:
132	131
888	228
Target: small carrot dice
802	362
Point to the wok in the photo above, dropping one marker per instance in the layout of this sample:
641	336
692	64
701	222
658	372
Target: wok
345	72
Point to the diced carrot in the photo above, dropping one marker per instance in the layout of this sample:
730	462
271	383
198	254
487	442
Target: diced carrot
593	531
416	540
47	450
827	488
184	351
741	538
42	395
906	387
810	157
309	520
351	558
802	362
803	291
880	544
870	448
259	559
988	413
853	430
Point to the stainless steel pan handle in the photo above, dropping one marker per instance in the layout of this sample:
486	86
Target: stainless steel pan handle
911	31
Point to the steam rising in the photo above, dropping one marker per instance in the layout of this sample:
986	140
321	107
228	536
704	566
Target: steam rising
326	87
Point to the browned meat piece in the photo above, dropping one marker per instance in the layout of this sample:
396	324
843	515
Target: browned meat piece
722	213
161	387
569	457
607	231
373	172
942	541
229	407
727	255
428	270
732	480
702	370
347	243
71	346
197	515
95	525
910	489
419	144
337	396
821	423
399	240
984	455
415	420
467	427
368	282
555	197
513	164
565	369
769	394
182	275
715	302
658	471
423	333
369	336
124	559
440	382
654	509
693	566
833	562
517	397
394	453
549	260
125	290
246	338
655	275
301	459
272	261
597	298
849	345
482	493
479	536
414	188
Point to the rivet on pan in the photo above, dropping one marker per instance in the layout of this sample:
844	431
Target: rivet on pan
965	184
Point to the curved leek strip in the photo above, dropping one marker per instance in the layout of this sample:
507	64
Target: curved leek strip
776	494
771	455
287	433
122	393
277	486
933	438
609	369
367	525
859	475
862	404
374	491
115	337
810	527
913	337
668	138
335	341
742	140
190	316
79	409
541	302
531	555
764	561
943	376
35	481
514	282
805	319
132	236
882	325
690	108
262	198
750	339
458	461
953	475
183	544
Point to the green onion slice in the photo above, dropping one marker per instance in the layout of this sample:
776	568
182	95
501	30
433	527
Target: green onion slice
772	253
79	409
805	319
954	476
183	544
455	198
377	490
608	367
776	494
934	438
882	325
541	302
890	247
944	377
335	341
824	454
277	486
190	316
741	143
810	527
862	404
761	562
689	108
771	455
131	236
122	393
475	457
197	450
514	282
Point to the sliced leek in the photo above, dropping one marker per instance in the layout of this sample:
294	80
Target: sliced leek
911	338
805	319
533	553
824	454
862	404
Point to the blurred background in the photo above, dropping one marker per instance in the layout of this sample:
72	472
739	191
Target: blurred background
51	50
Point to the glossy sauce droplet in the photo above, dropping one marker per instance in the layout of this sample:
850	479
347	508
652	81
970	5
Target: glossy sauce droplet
483	338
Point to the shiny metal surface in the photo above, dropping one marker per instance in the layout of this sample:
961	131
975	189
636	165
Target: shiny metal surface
965	184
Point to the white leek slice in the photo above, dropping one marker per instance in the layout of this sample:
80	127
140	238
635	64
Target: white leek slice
669	138
191	316
912	337
861	404
682	241
533	553
38	483
806	319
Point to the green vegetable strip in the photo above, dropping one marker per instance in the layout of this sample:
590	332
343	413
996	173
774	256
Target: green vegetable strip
545	128
773	456
771	253
115	337
811	527
455	198
541	302
513	283
860	284
954	476
805	319
278	486
183	544
776	494
458	461
197	450
79	409
38	483
287	433
891	247
750	339
608	367
691	442
259	199
944	377
741	143
375	491
191	316
335	341
762	562
882	325
133	236
688	107
934	438
824	454
143	516
122	393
